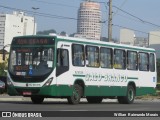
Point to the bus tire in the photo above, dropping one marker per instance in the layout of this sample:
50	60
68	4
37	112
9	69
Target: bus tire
37	99
76	96
129	98
94	99
120	99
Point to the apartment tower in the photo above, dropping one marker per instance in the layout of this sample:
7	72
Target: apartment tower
16	24
89	17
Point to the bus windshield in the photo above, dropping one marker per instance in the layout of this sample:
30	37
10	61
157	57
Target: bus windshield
31	60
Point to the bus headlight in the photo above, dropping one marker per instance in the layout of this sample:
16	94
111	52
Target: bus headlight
9	83
48	82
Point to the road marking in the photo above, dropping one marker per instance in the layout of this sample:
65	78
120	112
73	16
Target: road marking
73	110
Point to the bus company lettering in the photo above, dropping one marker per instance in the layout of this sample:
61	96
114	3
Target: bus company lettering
78	72
106	78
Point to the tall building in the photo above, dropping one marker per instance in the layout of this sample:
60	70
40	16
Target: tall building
154	41
15	24
127	36
89	17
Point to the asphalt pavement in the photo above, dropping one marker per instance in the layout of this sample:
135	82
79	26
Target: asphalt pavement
6	97
19	103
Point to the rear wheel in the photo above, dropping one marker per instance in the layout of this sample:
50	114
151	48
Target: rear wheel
129	98
37	99
130	95
120	99
94	99
76	95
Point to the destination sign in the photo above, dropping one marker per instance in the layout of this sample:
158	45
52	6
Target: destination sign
31	41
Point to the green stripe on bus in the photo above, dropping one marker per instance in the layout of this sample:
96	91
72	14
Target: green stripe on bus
133	78
58	91
78	75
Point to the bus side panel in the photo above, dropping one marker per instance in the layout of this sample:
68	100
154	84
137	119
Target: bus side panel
105	91
55	91
147	83
105	82
145	91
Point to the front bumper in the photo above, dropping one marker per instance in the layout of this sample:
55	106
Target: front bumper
47	91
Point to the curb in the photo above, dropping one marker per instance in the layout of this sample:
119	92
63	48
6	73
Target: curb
28	99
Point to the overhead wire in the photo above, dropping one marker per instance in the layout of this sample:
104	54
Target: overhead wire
71	18
64	5
141	20
53	3
39	13
134	30
120	6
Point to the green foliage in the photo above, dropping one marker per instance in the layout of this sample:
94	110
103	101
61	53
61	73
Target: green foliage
63	33
72	35
3	66
46	32
158	86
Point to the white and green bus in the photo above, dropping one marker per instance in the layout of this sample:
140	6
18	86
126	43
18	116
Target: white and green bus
64	67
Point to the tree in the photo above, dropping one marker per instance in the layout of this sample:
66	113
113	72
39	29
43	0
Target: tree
3	66
63	33
72	35
46	32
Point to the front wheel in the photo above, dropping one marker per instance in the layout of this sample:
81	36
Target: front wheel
76	95
37	99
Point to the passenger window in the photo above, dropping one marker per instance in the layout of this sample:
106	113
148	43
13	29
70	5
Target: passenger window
152	62
119	59
132	60
143	62
78	55
92	56
106	58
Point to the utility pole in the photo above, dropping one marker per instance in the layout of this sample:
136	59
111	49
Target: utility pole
34	22
110	21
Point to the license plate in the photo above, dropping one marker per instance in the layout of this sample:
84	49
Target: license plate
27	93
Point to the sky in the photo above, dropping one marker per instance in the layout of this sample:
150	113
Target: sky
139	15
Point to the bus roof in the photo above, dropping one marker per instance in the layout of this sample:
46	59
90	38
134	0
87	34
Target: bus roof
97	42
93	42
